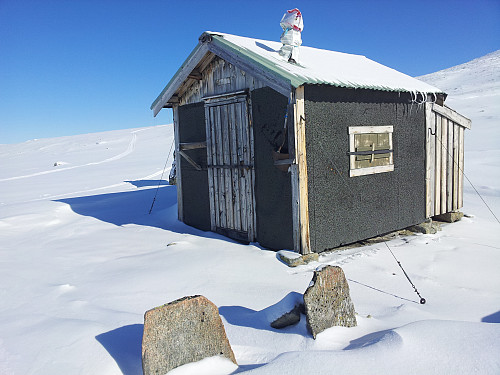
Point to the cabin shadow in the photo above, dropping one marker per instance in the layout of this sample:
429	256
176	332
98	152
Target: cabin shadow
146	183
124	344
133	207
492	318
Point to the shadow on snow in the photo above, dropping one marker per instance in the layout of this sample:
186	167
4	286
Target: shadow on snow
245	317
493	318
124	344
132	207
145	183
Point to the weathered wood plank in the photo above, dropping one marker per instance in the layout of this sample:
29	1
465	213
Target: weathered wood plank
192	145
444	157
226	155
370	129
371	170
230	95
301	158
190	160
235	172
461	171
242	158
449	168
456	161
452	115
220	171
437	167
249	125
210	147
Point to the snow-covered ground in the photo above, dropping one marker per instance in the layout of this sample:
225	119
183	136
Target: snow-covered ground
81	260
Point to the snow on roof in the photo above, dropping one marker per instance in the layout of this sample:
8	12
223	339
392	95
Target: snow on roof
319	66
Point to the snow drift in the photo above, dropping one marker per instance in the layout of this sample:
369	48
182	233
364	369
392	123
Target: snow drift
81	260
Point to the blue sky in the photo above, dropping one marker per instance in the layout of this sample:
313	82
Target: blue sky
81	66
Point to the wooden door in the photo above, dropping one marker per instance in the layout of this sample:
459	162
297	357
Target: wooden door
230	160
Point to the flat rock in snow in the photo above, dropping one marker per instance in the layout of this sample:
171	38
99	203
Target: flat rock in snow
180	332
327	301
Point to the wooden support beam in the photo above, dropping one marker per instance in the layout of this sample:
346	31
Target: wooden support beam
195	74
192	145
452	115
461	168
301	160
190	160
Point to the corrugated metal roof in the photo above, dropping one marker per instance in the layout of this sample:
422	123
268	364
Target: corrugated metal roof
316	66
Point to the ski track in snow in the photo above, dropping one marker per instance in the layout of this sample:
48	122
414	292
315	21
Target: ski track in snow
128	151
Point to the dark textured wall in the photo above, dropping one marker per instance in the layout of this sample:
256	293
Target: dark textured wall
273	191
345	209
194	183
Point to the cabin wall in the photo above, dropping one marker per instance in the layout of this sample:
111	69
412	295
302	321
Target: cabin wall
273	206
345	209
194	184
273	192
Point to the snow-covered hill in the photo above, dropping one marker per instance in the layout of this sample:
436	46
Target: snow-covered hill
474	91
81	260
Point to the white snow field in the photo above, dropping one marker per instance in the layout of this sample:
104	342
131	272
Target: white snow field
81	260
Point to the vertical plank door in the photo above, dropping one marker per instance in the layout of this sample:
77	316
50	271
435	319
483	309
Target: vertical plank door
230	160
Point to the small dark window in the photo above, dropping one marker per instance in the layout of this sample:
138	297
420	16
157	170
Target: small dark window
370	150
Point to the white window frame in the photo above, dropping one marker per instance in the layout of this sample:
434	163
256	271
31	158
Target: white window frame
353	130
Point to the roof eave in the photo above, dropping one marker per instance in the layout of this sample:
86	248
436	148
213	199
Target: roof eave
179	77
243	59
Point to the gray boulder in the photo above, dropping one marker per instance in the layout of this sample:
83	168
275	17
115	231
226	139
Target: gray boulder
183	331
289	318
450	217
327	301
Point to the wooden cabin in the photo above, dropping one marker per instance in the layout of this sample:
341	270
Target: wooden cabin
309	156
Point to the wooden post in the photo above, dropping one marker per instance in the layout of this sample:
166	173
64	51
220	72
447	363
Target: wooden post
449	169
461	171
455	166
301	161
437	167
444	158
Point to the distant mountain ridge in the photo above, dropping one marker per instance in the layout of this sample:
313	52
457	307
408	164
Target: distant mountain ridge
478	75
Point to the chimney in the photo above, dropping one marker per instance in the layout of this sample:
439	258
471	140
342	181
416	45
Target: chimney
292	26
